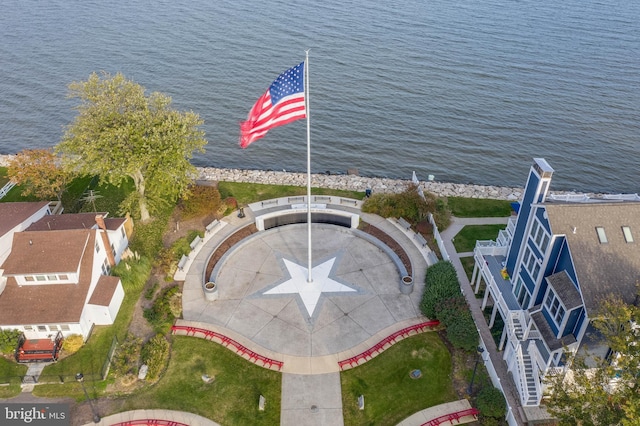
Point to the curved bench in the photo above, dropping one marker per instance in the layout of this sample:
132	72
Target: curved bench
231	344
388	341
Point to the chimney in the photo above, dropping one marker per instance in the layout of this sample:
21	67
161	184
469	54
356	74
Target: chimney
105	239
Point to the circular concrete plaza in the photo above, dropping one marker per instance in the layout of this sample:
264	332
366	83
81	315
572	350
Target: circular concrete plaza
264	293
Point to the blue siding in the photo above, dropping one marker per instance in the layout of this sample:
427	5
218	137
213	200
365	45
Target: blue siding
537	253
564	263
544	222
579	321
554	253
571	322
526	279
523	217
550	320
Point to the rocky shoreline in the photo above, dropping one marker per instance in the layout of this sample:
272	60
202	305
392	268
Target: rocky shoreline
353	182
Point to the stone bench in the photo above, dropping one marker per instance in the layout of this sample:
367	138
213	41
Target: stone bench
197	240
404	224
420	239
183	261
212	225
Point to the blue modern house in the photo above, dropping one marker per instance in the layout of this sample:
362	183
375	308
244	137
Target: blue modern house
549	270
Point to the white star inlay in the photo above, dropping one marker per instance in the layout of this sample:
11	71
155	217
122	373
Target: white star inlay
309	292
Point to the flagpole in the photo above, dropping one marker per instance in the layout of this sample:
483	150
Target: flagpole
306	98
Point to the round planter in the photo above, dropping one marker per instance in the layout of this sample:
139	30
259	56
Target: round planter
406	285
210	291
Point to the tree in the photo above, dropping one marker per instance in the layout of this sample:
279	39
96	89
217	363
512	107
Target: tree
39	172
120	133
598	391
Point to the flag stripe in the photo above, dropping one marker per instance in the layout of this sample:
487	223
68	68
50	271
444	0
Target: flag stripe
288	90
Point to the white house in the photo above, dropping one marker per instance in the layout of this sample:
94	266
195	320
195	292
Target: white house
56	275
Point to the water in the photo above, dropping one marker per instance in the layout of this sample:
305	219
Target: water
467	91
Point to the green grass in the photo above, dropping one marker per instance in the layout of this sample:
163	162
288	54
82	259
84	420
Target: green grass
478	207
465	240
11	373
3	176
246	193
390	394
231	399
90	359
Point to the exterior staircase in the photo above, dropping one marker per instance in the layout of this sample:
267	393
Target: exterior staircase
530	376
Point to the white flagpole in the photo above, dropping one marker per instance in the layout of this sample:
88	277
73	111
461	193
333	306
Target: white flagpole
306	98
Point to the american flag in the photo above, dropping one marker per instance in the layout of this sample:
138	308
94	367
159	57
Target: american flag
281	104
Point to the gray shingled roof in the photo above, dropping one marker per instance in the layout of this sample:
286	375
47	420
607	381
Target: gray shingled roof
565	289
602	269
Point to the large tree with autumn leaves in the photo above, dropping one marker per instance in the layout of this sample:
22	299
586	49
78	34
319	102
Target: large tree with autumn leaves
38	172
121	133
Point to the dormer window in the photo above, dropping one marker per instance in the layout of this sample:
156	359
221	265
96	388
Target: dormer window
626	231
602	236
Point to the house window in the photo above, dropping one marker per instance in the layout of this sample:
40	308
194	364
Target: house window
54	328
627	234
524	297
540	236
97	247
41	278
545	242
532	264
65	327
113	250
63	277
122	232
52	277
602	236
106	269
29	278
555	308
42	328
28	328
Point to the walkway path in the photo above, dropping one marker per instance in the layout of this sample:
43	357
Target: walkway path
506	380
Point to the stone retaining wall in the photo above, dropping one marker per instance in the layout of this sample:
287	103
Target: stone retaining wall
357	183
351	182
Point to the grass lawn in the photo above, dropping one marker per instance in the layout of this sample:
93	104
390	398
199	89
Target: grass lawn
478	207
390	394
246	193
231	399
90	359
11	373
466	239
468	263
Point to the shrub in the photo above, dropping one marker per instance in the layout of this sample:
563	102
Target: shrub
491	402
161	315
151	291
155	354
9	341
201	201
72	343
409	205
133	272
125	360
441	283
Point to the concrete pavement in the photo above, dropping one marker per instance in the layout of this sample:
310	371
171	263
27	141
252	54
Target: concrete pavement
280	326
